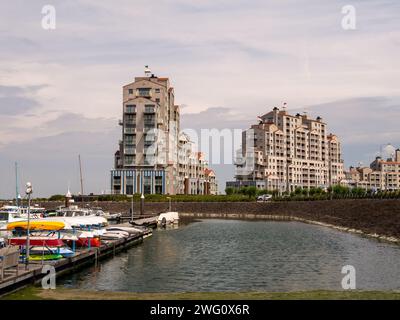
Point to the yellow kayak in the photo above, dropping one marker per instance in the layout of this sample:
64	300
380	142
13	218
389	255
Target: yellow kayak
37	225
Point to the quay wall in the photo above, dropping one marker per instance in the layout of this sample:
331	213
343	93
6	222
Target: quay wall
376	217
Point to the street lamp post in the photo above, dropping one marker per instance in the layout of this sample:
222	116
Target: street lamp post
142	204
169	205
29	191
132	208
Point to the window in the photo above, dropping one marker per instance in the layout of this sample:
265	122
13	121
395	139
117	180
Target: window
149	121
130	91
130	108
158	100
157	90
149	108
143	92
130	139
130	120
129	160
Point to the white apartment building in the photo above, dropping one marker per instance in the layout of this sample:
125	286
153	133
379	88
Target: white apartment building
286	151
153	156
382	175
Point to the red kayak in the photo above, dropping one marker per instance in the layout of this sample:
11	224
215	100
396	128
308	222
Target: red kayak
37	241
84	242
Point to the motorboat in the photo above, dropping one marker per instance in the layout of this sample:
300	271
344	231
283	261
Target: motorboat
73	211
8	214
170	217
109	216
80	222
15	213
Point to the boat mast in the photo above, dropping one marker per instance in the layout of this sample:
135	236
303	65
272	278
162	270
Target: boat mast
16	185
80	171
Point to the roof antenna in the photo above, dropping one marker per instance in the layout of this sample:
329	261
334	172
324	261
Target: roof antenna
147	71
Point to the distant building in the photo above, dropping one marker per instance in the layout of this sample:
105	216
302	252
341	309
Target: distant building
286	151
382	175
154	157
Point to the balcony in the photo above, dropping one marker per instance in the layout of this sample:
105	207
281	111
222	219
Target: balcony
129	151
149	124
150	137
129	130
120	122
130	110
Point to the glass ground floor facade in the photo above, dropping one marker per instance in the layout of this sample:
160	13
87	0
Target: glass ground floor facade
131	181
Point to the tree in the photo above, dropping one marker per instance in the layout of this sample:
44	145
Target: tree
57	197
229	191
251	192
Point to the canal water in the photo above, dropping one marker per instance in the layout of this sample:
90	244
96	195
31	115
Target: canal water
230	255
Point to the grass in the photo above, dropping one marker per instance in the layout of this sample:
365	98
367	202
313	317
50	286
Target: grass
36	293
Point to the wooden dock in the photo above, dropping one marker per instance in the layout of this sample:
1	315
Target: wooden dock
82	257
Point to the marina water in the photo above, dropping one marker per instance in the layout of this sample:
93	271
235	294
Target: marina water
232	255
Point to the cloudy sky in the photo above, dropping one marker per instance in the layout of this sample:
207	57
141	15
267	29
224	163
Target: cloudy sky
229	61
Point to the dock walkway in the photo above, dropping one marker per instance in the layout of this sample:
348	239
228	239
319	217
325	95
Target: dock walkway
82	257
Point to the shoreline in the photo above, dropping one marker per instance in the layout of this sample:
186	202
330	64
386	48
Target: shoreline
266	217
36	293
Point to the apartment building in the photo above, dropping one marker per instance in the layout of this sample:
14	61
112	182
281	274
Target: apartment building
154	157
383	175
283	151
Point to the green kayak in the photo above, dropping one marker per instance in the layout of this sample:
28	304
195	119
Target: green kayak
45	257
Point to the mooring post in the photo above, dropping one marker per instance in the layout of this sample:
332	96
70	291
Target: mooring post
73	241
89	240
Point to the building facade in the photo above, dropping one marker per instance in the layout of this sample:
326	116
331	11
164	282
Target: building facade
154	157
381	175
286	151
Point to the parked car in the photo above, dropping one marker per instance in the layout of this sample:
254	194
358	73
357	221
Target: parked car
264	197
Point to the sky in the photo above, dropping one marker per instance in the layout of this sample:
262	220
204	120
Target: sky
228	60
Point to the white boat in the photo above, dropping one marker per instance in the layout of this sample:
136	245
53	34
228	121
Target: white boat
105	214
18	213
8	214
170	217
111	235
81	222
130	230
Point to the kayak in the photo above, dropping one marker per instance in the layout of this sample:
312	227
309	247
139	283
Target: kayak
84	242
45	257
36	225
37	241
39	251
